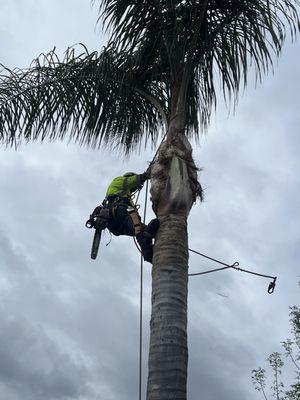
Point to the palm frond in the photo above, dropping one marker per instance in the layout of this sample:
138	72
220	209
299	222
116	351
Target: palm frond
198	43
161	53
91	98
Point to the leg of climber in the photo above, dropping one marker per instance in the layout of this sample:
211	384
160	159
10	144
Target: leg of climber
145	242
152	227
119	222
128	222
143	238
144	234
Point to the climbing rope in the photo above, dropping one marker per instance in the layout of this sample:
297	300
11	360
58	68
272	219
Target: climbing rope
141	301
142	275
155	155
235	266
141	270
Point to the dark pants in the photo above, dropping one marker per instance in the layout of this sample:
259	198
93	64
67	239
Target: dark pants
120	222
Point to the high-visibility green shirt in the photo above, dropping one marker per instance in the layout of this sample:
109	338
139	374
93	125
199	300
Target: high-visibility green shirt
124	186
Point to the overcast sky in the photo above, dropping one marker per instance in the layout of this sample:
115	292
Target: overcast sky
69	325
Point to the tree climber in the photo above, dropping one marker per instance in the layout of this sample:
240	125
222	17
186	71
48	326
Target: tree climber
122	217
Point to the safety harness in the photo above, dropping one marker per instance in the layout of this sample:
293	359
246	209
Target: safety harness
115	201
136	220
100	216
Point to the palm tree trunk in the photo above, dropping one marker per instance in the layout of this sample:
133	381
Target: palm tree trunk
168	341
173	190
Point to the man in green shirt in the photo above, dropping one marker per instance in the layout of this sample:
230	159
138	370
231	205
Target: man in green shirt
123	215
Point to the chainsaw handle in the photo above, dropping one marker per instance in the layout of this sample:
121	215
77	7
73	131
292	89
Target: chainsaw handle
89	223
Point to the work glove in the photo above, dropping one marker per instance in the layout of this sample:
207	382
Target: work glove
144	176
147	174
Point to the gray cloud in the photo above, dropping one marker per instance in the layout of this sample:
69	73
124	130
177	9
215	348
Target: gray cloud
33	365
75	321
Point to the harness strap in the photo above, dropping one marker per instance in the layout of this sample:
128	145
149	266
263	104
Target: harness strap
113	211
114	201
136	220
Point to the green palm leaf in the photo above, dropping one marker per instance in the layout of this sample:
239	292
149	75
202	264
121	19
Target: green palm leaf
163	57
198	43
90	98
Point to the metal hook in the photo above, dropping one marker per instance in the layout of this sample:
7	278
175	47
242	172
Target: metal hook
272	286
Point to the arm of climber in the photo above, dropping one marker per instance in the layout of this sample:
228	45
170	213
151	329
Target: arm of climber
132	182
135	181
124	185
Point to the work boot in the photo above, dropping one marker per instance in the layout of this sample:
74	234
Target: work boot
147	253
153	227
144	239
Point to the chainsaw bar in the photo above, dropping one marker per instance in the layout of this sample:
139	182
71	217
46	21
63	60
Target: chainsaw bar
96	243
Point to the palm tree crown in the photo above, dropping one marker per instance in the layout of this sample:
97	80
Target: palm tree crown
163	57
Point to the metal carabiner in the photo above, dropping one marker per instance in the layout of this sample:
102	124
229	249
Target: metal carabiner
272	286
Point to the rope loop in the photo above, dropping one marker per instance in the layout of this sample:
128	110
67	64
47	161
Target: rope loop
235	264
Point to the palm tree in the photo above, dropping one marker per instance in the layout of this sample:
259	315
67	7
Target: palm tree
158	71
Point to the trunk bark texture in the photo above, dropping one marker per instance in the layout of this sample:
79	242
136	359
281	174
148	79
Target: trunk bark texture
168	342
174	188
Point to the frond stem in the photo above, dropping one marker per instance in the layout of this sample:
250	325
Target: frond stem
189	60
156	104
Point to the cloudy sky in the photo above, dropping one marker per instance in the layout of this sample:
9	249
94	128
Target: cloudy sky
69	325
